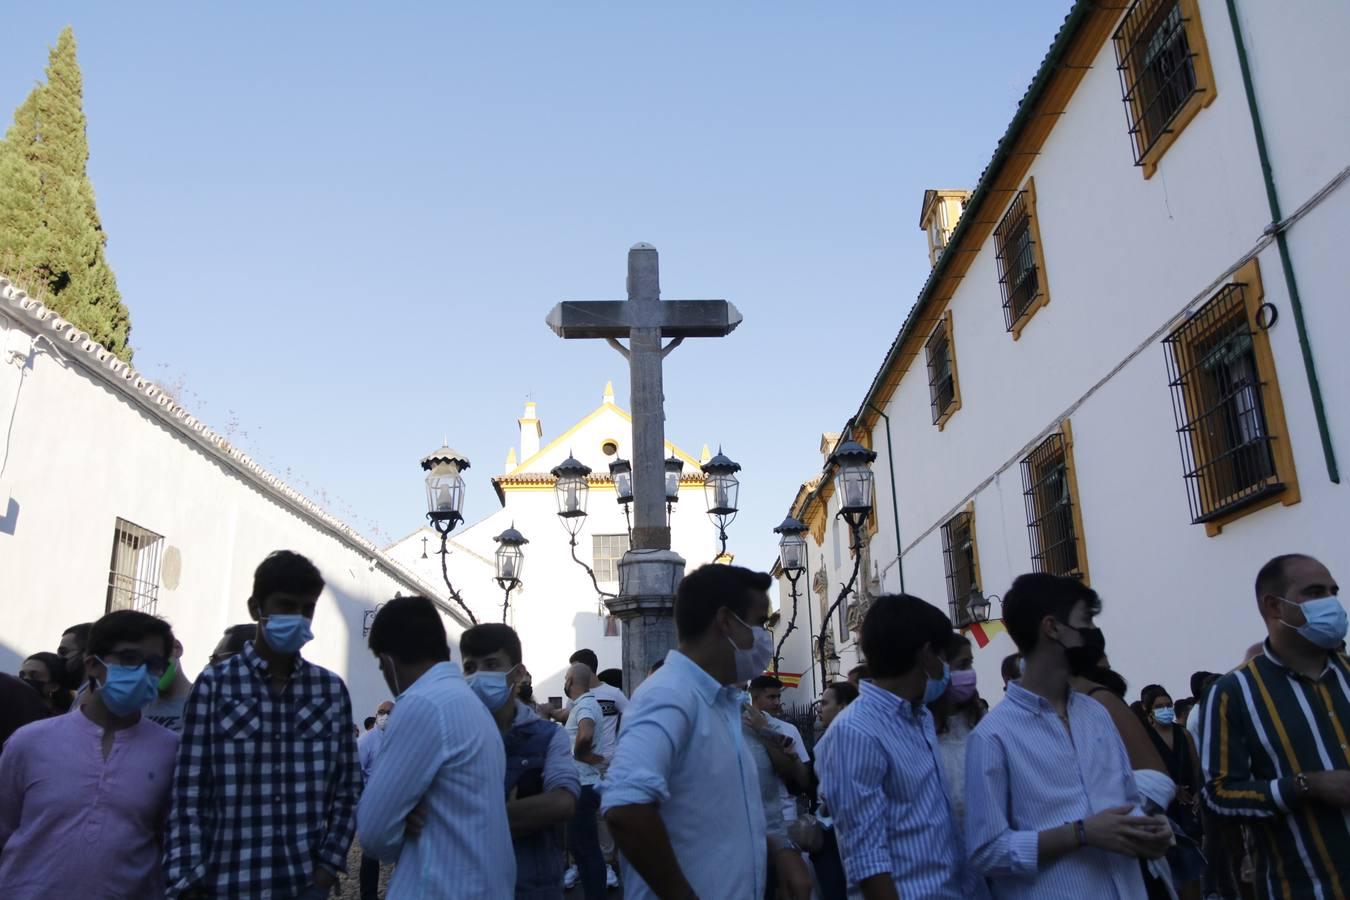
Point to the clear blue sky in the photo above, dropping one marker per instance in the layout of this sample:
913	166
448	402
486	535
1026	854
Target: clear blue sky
341	227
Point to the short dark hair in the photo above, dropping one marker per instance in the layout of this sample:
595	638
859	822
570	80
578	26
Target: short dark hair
1200	681
369	722
81	632
709	588
895	628
1184	705
765	683
612	677
656	665
1036	595
55	665
127	625
410	630
236	636
1011	669
587	656
861	671
286	570
955	643
844	692
481	640
1274	576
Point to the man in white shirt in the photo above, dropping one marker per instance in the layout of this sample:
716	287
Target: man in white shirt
584	727
683	795
766	695
433	805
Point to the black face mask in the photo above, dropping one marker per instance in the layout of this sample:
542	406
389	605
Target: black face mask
526	693
1084	658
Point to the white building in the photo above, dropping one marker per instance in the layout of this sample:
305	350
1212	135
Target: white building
557	609
1104	374
112	496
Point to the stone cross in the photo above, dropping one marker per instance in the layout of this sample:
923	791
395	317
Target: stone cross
649	572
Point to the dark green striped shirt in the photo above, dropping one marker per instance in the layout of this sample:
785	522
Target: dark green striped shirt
1261	725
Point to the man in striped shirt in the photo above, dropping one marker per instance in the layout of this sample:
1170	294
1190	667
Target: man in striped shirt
1274	737
1051	801
880	773
434	805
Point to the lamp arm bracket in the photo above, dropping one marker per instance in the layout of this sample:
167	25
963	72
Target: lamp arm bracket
589	570
445	573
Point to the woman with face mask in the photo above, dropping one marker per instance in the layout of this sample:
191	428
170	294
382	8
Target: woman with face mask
43	673
1182	759
955	714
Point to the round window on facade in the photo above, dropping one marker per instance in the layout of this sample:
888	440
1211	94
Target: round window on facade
609	448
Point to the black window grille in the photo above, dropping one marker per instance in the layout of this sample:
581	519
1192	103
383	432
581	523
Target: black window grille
1018	276
1218	400
1049	502
133	575
941	375
958	554
1157	69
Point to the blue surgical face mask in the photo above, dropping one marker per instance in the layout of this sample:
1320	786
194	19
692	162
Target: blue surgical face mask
127	689
1325	623
1165	716
493	688
287	634
936	687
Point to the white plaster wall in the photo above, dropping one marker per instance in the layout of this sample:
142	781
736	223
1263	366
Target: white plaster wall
1123	258
80	456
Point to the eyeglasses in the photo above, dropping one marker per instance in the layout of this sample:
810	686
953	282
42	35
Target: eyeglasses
155	665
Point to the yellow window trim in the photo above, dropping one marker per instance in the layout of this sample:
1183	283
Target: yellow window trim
946	322
1034	224
1272	400
1066	428
974	545
1203	95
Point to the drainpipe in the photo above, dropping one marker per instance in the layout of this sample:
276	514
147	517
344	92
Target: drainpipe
895	506
1295	302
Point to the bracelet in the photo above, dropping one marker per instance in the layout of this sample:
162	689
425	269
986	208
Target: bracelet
1080	832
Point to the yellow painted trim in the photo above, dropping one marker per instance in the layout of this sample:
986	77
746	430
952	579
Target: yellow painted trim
956	379
1066	428
1272	400
1204	94
974	545
1034	223
586	420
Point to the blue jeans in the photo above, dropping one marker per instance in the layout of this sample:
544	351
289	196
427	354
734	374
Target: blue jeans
583	840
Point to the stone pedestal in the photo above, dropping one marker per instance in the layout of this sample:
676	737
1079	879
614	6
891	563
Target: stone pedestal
645	606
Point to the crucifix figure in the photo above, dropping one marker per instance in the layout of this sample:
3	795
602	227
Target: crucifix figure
647	587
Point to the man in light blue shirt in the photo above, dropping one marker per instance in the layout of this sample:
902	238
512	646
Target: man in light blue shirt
440	762
367	749
1051	802
682	796
881	774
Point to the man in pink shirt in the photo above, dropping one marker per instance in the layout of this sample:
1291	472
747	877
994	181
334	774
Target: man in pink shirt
84	797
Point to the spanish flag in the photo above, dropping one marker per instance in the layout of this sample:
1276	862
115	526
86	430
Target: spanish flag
789	679
984	632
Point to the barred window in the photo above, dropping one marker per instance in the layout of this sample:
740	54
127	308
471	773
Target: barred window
958	554
944	393
1219	398
1021	263
133	575
606	551
1163	68
1052	523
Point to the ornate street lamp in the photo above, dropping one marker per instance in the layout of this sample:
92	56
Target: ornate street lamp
622	473
721	488
510	563
852	463
674	468
980	606
572	489
445	501
792	560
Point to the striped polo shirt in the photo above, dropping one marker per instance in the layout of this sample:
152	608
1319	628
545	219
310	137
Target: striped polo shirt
1261	725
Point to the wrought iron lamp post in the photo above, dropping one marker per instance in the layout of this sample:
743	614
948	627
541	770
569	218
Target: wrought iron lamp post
445	502
674	468
572	489
621	470
792	560
721	489
510	563
980	606
853	487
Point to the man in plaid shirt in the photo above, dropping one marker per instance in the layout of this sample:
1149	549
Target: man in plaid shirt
267	778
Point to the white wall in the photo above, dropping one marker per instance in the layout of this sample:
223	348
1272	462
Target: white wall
81	454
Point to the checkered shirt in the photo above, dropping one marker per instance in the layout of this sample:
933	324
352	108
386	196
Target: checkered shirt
266	784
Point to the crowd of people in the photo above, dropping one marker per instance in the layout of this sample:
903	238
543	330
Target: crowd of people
122	778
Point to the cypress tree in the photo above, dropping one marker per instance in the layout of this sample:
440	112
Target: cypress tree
57	237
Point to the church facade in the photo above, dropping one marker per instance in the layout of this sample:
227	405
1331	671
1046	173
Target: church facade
558	608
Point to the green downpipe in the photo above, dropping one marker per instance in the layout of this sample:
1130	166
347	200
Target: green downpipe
1291	283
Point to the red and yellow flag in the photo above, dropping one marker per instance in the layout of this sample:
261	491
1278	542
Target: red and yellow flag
789	679
984	632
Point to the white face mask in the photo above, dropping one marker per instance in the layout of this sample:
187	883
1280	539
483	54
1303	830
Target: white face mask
381	720
753	661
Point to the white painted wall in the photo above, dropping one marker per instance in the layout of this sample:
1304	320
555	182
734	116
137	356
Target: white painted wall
1124	257
80	455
